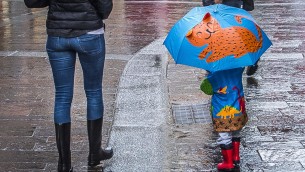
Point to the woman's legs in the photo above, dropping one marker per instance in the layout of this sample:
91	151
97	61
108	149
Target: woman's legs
92	58
62	56
62	62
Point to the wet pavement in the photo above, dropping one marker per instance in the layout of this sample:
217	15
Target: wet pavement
274	139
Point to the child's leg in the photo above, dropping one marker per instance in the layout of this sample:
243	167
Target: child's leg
225	143
236	136
225	138
236	145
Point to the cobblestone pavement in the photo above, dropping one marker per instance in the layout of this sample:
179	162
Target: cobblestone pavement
273	139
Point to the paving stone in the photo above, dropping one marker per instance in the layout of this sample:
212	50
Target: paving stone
27	166
282	155
276	166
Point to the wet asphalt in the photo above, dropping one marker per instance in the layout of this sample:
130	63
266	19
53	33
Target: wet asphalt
273	140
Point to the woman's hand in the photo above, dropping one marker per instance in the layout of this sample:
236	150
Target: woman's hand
218	1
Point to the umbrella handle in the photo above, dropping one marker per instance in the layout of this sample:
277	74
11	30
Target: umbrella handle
216	9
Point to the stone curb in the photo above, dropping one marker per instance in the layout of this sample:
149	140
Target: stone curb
139	132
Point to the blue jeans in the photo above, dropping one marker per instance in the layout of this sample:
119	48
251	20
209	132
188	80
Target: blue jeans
62	56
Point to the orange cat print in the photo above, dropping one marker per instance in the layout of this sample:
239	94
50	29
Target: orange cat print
222	42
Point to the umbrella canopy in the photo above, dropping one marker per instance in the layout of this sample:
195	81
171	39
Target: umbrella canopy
217	37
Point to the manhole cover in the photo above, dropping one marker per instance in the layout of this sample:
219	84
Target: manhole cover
189	114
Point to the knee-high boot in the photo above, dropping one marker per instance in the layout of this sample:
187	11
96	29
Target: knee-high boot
96	153
227	163
236	144
63	132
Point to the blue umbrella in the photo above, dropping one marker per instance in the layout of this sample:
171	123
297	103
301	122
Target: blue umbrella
217	37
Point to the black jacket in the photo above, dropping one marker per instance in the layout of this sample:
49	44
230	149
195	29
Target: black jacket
72	18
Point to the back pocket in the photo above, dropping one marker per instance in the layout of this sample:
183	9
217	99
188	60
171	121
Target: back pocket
90	43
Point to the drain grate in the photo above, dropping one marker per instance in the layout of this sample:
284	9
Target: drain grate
189	114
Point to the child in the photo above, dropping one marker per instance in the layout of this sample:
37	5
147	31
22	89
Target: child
228	112
227	105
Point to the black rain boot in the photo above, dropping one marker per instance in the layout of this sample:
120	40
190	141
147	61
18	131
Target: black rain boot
63	132
96	153
252	69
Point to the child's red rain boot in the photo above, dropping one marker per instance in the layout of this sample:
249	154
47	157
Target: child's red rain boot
227	154
236	144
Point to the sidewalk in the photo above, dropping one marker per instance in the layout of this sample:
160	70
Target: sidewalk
139	132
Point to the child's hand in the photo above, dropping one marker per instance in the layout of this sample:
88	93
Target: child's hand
218	1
